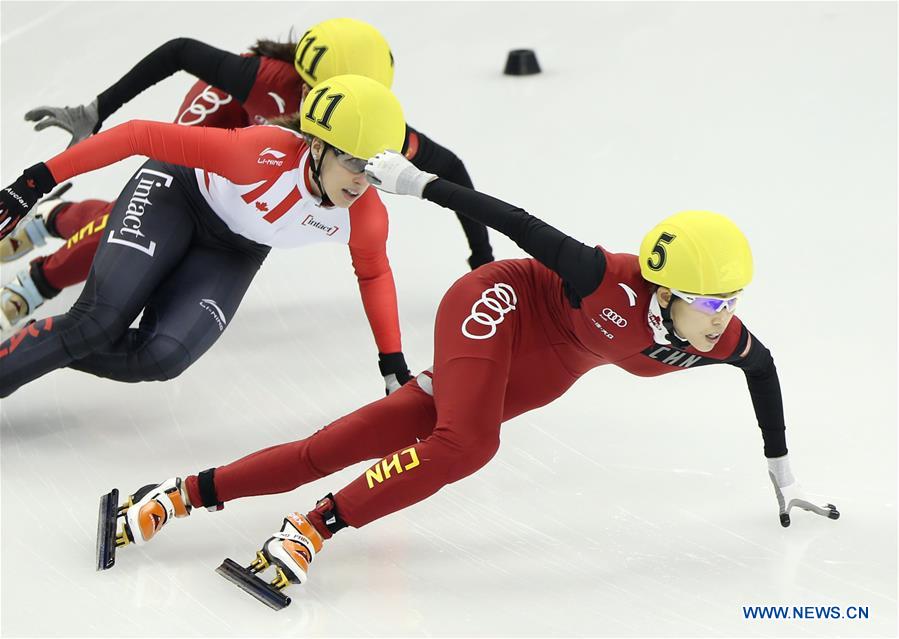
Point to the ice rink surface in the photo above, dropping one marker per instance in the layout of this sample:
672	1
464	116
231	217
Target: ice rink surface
629	507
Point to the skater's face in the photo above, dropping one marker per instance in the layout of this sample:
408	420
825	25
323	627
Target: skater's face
342	176
701	329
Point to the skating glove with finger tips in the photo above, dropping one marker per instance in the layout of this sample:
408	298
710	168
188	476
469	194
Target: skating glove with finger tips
394	370
790	494
391	172
17	199
81	121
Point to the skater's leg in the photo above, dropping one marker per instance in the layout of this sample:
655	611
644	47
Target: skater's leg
70	219
47	275
469	385
484	373
148	233
394	421
184	317
398	420
468	395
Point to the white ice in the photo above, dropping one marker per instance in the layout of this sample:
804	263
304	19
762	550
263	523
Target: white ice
629	507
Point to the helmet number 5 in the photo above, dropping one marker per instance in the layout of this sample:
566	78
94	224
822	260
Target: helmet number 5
329	111
658	251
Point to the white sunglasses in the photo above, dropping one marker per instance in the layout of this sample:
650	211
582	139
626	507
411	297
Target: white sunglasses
708	304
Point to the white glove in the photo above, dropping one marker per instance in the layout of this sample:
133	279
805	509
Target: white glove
80	121
391	384
789	493
394	370
390	171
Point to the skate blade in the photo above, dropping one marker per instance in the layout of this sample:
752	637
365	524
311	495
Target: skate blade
106	530
250	583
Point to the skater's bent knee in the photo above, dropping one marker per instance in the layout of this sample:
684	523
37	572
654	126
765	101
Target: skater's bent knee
93	329
468	454
163	358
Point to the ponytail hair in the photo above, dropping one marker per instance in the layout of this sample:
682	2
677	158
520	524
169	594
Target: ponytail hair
284	51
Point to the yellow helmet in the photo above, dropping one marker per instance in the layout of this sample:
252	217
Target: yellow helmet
355	115
343	46
697	252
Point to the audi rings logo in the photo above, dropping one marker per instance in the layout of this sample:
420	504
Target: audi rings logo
614	317
489	311
199	110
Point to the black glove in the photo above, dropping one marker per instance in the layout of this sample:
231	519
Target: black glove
17	199
480	257
394	370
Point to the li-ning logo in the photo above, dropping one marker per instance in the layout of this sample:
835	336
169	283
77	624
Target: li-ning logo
133	219
281	102
631	295
277	158
199	111
490	310
614	317
329	230
217	313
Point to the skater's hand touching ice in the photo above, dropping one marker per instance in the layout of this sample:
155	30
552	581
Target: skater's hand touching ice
81	121
790	494
391	172
17	199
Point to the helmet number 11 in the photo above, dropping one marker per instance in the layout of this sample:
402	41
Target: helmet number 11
658	251
319	52
325	119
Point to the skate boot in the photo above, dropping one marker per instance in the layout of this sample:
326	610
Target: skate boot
18	299
144	514
32	231
289	551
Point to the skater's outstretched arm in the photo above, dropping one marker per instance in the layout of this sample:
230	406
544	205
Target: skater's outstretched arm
764	387
230	153
221	151
233	74
582	267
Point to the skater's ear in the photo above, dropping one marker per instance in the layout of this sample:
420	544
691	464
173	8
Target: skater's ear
318	148
664	296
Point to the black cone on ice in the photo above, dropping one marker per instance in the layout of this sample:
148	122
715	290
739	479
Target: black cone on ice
522	62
